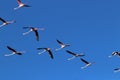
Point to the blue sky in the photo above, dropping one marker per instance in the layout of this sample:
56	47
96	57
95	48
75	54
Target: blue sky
91	27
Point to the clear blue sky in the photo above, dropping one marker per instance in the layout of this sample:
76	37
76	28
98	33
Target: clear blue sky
90	26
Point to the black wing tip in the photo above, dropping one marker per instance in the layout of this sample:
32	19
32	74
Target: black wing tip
57	39
68	51
37	37
81	59
25	27
27	6
83	55
8	46
19	53
52	57
39	48
1	18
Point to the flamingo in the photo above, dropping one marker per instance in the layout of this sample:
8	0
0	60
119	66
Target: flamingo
62	45
74	54
13	51
115	53
6	22
20	5
87	63
35	31
46	50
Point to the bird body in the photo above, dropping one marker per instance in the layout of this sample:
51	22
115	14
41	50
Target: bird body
87	63
115	53
13	51
5	22
35	30
62	45
48	50
20	5
74	54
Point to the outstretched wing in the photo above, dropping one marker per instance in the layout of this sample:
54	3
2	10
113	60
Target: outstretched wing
2	20
114	53
37	35
116	69
70	52
59	42
26	27
50	53
40	48
11	49
19	2
119	54
84	61
27	6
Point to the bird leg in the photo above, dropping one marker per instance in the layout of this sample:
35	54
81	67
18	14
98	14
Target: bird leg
58	49
110	56
9	54
42	52
16	8
84	67
27	32
2	25
71	58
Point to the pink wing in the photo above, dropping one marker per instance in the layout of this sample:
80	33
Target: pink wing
19	2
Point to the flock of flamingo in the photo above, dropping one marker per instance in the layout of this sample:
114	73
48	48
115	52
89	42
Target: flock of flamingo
45	49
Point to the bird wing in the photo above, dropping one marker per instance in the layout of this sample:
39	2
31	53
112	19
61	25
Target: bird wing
40	48
116	68
50	53
114	53
19	53
27	27
11	49
70	52
19	2
118	54
27	6
2	20
59	42
37	35
84	61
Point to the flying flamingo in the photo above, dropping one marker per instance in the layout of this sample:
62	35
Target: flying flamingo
115	53
21	5
62	45
46	50
6	22
87	63
13	51
35	30
74	54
